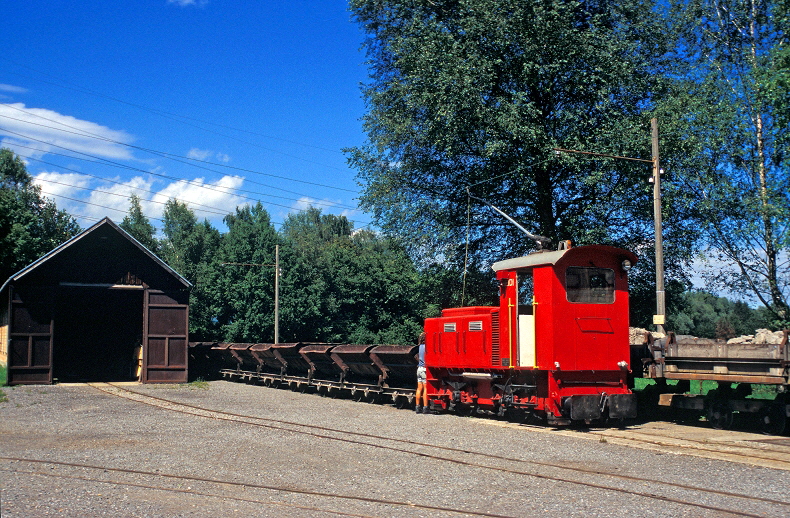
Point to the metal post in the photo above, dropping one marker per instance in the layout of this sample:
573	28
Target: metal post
659	319
276	294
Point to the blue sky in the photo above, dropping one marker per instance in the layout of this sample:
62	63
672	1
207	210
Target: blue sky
214	102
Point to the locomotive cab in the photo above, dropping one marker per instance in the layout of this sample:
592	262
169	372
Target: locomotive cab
556	346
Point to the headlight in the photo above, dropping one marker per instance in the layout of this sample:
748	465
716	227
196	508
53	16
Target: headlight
626	265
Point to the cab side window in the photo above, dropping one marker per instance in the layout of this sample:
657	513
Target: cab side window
589	285
526	290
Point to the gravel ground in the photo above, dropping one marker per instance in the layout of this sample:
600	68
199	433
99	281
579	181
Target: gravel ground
267	471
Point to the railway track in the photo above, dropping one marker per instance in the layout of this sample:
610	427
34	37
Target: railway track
554	472
158	475
733	451
739	447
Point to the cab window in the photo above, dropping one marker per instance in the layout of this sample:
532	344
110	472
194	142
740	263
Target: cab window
589	285
526	291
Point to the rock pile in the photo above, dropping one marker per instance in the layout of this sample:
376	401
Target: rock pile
639	335
761	336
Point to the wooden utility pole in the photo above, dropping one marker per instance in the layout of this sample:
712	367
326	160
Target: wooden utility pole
659	319
276	294
276	288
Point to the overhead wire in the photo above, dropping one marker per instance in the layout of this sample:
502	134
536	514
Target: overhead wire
175	178
176	117
122	195
216	188
170	156
184	119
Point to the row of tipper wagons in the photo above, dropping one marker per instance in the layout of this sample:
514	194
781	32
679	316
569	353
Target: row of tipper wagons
368	370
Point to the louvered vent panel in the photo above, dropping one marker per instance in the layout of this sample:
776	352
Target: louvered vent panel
495	338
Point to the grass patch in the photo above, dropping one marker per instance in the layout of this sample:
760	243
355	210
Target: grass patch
199	383
3	397
704	386
3	375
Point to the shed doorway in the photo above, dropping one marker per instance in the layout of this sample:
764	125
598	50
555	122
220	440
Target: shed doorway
98	332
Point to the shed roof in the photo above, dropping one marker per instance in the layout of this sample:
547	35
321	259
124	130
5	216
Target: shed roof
112	250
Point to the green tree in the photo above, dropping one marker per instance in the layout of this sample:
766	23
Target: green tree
244	284
30	225
706	315
477	94
138	225
191	248
309	307
341	285
728	124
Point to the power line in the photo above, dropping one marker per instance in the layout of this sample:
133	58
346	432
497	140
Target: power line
170	156
123	195
91	203
173	116
113	164
189	182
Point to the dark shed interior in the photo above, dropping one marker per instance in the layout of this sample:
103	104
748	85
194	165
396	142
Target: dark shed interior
100	307
99	334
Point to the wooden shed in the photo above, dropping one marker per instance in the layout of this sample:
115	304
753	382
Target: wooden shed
100	307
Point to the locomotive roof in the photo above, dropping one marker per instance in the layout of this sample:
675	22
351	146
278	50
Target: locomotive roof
552	257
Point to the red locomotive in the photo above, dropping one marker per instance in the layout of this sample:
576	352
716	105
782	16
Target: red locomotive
556	346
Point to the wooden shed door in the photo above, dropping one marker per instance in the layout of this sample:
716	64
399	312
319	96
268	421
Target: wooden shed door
30	333
165	338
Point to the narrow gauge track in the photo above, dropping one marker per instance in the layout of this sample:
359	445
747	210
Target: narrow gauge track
357	438
779	458
188	491
245	485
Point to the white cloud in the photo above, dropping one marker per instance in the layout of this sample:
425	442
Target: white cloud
220	194
93	198
187	3
199	154
12	89
47	130
62	184
325	205
207	154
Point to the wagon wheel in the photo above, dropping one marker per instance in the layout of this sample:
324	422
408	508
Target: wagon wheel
773	419
401	402
720	415
373	397
358	395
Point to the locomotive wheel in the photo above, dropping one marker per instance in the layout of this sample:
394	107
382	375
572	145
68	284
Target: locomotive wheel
515	415
720	415
466	409
773	419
